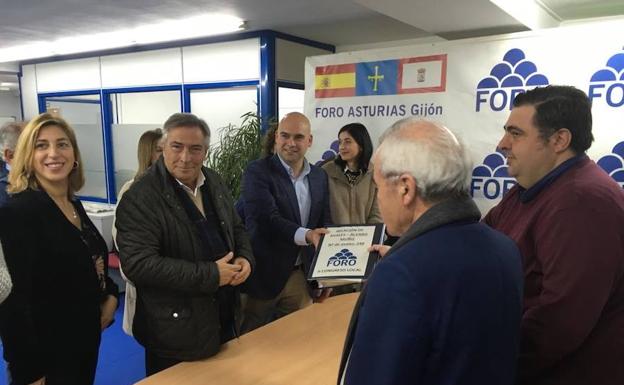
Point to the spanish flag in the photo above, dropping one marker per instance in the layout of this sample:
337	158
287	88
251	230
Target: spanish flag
335	81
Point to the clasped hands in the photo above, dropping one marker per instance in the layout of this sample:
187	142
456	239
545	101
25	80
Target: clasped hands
233	271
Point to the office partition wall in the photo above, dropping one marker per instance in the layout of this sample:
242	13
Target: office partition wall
219	79
133	113
83	112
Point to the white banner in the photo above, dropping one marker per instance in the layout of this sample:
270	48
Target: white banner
468	86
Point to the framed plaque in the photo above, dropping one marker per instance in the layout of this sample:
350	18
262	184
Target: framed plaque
342	256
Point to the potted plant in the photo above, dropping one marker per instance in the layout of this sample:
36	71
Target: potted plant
237	147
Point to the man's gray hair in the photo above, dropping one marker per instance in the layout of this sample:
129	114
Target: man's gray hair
181	119
9	133
434	157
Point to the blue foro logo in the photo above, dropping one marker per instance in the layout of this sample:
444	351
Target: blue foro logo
342	258
507	79
613	163
490	180
608	83
329	154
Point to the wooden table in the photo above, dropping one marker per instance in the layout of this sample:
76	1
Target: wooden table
299	349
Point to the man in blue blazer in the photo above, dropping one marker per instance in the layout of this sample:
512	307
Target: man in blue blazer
444	304
286	205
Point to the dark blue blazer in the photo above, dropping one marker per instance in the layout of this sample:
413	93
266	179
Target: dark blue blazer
272	218
443	307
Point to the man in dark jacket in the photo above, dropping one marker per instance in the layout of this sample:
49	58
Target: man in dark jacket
444	304
184	247
286	204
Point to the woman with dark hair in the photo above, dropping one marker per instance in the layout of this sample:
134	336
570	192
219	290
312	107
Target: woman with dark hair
353	193
62	297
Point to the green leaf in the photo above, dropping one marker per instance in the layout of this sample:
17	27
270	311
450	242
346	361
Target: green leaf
237	147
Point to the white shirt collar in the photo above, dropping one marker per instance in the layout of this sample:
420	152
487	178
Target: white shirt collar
200	182
305	171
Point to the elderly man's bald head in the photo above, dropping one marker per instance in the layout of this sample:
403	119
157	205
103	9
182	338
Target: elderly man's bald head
430	153
418	130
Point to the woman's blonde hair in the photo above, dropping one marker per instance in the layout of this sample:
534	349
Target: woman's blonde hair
146	147
22	174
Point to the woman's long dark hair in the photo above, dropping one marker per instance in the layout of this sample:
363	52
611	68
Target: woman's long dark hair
360	134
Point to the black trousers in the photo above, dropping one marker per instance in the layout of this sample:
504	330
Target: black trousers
68	368
155	363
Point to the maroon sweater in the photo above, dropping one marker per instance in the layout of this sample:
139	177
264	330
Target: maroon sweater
571	236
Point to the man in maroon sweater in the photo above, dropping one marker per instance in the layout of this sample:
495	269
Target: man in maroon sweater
567	217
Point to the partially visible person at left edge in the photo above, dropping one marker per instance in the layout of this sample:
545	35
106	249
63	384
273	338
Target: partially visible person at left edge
62	296
9	133
443	306
6	285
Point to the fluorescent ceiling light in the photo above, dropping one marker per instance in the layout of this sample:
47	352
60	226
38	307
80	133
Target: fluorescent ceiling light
531	13
182	29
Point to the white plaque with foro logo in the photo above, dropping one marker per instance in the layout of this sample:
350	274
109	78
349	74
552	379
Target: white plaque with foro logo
342	256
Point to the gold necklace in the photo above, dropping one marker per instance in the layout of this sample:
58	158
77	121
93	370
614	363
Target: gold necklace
73	209
61	204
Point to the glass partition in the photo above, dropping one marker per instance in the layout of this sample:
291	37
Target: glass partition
220	107
289	100
83	114
10	103
133	114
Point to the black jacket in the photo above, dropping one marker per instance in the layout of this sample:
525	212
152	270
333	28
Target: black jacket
50	323
177	314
